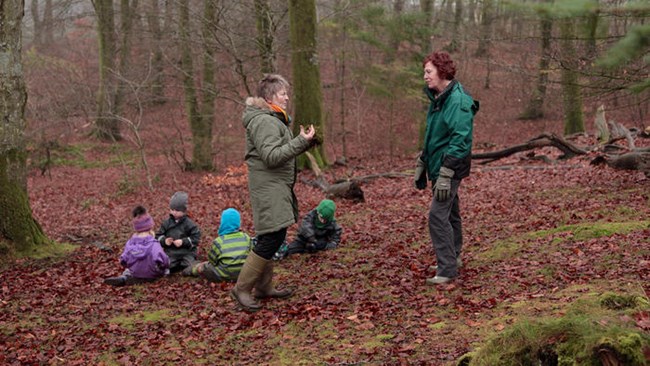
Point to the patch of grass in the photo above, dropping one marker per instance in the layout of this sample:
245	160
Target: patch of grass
501	250
511	247
591	230
131	320
76	156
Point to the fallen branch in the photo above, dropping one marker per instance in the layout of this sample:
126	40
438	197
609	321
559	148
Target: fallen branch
543	140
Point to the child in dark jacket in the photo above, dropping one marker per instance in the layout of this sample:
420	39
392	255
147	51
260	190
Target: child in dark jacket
179	235
228	252
143	258
318	231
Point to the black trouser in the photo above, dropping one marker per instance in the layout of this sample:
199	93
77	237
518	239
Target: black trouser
178	262
268	244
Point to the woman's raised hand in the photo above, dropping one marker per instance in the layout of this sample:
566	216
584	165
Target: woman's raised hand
309	134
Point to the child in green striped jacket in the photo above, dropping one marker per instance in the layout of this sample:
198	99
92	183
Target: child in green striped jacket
228	252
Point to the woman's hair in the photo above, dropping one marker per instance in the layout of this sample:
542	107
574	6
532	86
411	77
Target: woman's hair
443	62
270	85
139	210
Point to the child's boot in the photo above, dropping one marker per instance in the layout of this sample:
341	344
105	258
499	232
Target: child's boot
115	281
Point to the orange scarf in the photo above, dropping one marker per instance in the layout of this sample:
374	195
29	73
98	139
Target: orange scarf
277	108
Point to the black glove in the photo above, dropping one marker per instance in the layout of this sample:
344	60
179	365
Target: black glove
310	247
420	174
442	188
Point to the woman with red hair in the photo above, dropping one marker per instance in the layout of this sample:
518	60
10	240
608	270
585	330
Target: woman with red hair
445	159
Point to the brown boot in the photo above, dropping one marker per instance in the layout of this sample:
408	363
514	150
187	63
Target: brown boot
248	277
264	287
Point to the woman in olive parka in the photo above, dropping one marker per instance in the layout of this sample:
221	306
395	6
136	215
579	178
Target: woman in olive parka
271	151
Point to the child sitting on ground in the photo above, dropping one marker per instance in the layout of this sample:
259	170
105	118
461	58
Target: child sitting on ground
179	235
143	258
318	231
228	252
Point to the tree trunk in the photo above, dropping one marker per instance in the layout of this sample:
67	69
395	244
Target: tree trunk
487	16
38	25
127	12
573	117
201	126
265	37
158	79
202	134
18	225
307	93
534	110
456	42
48	23
106	125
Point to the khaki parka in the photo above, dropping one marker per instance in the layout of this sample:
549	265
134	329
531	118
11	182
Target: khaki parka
271	152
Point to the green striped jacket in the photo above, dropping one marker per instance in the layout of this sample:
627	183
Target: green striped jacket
229	252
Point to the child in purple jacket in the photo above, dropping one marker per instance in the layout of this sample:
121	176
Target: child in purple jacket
143	257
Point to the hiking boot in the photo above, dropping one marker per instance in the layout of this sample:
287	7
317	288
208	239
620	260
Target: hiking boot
438	280
115	281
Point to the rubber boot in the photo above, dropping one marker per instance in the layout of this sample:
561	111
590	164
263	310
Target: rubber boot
118	281
264	287
248	277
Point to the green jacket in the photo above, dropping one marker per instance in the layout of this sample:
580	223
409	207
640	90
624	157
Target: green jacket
448	137
271	152
228	254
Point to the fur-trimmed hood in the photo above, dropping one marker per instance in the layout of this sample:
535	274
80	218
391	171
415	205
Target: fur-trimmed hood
254	107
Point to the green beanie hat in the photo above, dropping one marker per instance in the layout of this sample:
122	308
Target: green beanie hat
326	209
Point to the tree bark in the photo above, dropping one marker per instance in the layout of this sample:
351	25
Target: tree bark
127	13
158	79
535	110
200	125
265	36
307	93
571	93
18	226
487	17
106	125
202	134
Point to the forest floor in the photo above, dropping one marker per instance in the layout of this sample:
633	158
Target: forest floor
538	236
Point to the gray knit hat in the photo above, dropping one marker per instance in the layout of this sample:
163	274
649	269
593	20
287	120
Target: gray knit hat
178	201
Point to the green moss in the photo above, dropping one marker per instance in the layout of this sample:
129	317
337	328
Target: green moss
614	301
501	250
436	326
131	320
50	250
576	338
591	230
510	247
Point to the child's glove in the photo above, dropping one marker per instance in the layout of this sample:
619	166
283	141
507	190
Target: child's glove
442	188
420	174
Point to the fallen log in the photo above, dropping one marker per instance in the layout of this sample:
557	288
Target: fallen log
348	189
